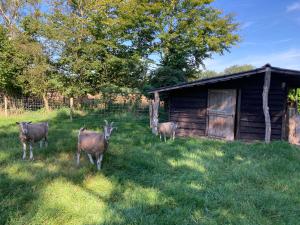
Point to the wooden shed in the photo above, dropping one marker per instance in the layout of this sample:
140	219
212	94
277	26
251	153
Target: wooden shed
250	105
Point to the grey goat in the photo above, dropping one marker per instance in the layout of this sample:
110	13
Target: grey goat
31	133
167	129
94	143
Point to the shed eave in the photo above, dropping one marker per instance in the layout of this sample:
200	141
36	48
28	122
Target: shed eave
209	80
226	78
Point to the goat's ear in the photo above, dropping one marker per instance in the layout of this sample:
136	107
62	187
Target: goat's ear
17	123
29	122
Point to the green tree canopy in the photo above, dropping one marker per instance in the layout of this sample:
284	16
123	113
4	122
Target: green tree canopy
11	63
80	45
238	68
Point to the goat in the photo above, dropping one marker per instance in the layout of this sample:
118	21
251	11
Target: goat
31	133
166	129
94	143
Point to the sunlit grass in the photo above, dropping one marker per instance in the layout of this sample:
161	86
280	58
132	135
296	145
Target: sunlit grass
143	180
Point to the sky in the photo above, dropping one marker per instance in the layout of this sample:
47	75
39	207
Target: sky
269	30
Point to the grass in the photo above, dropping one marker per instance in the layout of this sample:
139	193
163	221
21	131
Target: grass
144	181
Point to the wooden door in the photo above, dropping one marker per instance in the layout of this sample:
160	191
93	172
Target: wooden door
221	113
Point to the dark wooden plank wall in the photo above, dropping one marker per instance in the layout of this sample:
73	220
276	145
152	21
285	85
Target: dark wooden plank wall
252	120
188	109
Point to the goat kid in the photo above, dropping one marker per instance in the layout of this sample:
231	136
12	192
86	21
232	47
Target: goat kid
166	129
94	143
31	133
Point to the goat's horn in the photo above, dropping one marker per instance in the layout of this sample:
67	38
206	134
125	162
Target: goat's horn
106	122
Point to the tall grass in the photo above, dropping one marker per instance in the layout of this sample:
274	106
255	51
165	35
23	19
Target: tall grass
144	181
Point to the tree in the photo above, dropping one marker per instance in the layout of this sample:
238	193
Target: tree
11	64
205	74
91	49
190	32
21	19
12	13
36	76
238	68
110	41
161	76
93	43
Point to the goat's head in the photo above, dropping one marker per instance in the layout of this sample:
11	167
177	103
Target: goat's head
23	127
108	128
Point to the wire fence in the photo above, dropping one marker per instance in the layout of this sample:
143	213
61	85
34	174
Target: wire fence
82	109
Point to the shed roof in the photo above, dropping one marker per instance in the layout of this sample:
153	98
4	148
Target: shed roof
227	78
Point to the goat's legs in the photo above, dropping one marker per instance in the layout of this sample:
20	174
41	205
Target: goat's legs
31	152
24	151
159	136
173	136
165	138
46	141
99	161
78	158
91	158
41	144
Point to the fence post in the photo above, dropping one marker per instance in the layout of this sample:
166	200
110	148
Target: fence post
266	110
71	108
154	111
5	105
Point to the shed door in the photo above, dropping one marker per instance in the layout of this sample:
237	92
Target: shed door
221	113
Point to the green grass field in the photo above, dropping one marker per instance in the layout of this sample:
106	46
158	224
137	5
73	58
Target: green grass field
143	180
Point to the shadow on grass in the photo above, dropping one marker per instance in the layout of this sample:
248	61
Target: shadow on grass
144	181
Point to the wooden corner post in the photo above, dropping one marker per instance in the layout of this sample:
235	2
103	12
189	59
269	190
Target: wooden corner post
265	96
71	108
153	111
5	105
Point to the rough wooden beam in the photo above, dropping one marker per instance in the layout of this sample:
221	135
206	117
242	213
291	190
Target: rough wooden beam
5	105
238	114
154	112
150	113
71	108
284	124
265	96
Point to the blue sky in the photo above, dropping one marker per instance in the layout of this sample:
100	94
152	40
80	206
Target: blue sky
270	33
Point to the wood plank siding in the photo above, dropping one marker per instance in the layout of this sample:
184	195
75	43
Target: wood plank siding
188	107
252	120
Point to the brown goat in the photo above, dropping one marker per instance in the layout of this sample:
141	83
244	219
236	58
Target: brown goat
94	143
166	129
31	133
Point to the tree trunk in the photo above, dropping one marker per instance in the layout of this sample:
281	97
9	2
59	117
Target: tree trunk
154	104
266	106
46	102
71	108
150	113
5	105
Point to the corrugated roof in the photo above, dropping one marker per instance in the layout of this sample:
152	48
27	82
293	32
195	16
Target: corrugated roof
226	78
